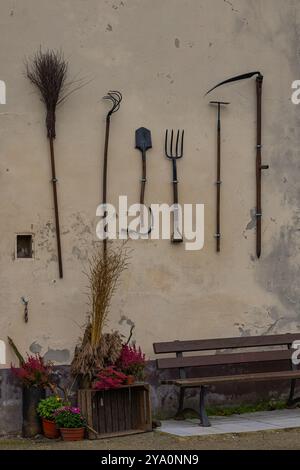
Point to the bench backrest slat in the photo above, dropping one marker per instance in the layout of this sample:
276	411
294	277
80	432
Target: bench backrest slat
221	359
225	343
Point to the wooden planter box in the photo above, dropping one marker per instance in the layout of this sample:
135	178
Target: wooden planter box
117	412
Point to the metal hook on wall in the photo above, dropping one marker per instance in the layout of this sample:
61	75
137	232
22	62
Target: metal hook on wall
25	302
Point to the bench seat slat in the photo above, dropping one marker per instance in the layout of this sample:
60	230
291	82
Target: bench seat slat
224	343
262	376
221	359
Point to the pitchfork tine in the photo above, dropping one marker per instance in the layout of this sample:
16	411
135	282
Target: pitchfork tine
166	143
181	150
174	150
177	142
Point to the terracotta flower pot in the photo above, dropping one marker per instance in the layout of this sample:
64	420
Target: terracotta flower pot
130	379
72	434
49	429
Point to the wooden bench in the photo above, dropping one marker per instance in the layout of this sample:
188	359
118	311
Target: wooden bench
280	355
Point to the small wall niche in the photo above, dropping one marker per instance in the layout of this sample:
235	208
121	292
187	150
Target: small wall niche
24	246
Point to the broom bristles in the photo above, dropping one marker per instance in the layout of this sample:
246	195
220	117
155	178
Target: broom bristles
48	72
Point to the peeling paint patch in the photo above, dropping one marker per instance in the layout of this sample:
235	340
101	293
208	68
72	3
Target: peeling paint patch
58	355
280	272
79	254
35	348
109	27
126	320
244	332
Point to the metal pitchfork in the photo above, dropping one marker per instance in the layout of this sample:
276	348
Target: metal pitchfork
174	154
115	97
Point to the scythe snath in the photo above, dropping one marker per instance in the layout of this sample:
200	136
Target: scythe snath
218	181
48	72
259	166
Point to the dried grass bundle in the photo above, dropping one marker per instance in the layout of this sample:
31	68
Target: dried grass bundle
104	273
88	360
97	349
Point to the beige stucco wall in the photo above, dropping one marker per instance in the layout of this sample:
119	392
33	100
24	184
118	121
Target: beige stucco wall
163	55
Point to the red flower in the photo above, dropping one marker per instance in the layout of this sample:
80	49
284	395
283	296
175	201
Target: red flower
34	371
129	356
109	378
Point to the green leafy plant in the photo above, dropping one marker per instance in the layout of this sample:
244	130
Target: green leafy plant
47	406
69	417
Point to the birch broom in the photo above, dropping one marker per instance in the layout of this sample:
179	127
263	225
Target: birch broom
48	72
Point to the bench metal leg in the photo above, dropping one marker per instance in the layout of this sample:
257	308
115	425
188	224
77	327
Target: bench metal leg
204	421
179	415
292	391
291	400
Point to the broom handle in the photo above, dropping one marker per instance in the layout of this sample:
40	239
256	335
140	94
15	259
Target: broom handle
54	181
104	180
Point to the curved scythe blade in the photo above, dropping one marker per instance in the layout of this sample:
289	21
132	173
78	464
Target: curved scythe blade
235	79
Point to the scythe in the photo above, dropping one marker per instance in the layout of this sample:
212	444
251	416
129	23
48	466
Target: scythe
259	166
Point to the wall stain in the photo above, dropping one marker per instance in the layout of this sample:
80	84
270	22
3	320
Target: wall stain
235	10
252	224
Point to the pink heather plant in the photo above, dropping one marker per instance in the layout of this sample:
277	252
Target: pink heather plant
132	361
109	378
34	371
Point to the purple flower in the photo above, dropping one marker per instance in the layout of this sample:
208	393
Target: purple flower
75	410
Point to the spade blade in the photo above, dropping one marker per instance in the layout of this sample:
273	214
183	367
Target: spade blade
143	139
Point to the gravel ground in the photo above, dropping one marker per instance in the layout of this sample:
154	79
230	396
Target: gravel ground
267	440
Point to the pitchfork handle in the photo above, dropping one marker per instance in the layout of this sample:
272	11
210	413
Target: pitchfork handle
175	181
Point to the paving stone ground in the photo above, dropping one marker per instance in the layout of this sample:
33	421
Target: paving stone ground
266	430
247	422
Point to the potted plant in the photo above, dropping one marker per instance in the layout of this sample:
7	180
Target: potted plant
132	363
109	378
70	422
34	375
45	409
